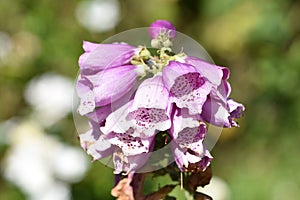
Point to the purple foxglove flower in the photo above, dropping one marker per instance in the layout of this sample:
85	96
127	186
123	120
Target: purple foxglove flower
216	113
94	143
160	27
105	87
188	134
216	75
216	109
98	57
187	86
189	162
150	109
146	114
98	76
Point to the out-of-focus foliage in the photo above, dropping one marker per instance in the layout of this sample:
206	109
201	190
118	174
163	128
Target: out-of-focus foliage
259	40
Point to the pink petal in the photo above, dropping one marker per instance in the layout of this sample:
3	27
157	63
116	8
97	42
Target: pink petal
129	144
234	106
94	143
220	114
190	162
89	46
187	142
118	121
86	95
151	94
214	112
187	131
111	84
87	103
191	138
222	91
83	86
148	113
174	70
210	71
105	56
126	164
100	114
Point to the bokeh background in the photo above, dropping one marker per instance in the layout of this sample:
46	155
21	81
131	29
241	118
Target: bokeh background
40	42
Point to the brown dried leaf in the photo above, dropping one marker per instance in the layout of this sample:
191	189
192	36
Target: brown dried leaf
123	190
199	179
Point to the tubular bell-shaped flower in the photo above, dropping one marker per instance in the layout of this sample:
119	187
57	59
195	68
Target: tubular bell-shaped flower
150	109
188	133
106	74
146	114
218	109
220	114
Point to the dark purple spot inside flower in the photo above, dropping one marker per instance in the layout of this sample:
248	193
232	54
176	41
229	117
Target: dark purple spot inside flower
186	83
149	115
127	141
190	135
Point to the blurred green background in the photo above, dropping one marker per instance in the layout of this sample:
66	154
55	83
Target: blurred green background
259	40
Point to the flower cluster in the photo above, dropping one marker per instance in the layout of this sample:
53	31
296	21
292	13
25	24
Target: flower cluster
129	94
